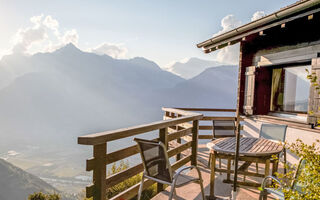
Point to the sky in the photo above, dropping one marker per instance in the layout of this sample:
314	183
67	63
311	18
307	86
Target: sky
163	31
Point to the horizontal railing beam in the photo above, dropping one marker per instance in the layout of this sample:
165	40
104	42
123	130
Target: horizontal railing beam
107	136
179	149
181	162
132	191
179	111
208	109
119	177
213	118
178	134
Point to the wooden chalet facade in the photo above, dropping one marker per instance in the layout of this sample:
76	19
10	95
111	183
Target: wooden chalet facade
275	52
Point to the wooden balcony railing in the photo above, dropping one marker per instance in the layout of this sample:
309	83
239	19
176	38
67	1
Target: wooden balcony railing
210	114
186	123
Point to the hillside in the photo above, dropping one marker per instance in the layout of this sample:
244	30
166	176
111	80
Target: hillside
18	184
216	87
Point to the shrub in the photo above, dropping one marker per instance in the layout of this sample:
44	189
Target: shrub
42	196
309	177
147	194
113	191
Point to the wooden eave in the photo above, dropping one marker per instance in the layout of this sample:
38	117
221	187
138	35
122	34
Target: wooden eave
236	35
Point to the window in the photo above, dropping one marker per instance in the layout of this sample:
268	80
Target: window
290	89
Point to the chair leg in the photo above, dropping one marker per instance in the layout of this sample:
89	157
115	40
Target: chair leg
285	160
141	187
220	165
257	167
209	162
174	195
262	195
172	190
200	183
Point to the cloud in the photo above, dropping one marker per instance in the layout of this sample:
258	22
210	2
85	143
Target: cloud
257	15
228	23
113	50
230	54
42	36
45	35
24	38
70	36
51	23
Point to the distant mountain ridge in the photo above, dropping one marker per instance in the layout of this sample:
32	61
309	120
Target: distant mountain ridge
191	67
16	184
215	87
47	100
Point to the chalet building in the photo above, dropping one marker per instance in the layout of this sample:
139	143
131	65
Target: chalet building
276	52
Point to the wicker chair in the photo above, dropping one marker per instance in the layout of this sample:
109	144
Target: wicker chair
157	167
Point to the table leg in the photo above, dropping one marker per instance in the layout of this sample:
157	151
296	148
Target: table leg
267	168
212	175
275	166
228	168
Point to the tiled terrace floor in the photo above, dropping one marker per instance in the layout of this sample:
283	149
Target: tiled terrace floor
222	190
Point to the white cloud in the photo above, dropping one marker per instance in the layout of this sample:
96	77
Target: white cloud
257	15
45	35
70	36
230	54
228	23
52	24
42	36
113	50
24	38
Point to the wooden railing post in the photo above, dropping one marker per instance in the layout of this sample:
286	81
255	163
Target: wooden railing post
194	151
163	137
99	172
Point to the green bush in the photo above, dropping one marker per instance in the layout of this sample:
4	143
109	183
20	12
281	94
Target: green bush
309	177
113	191
42	196
147	194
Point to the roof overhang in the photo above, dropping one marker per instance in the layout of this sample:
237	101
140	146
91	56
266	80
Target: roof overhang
278	18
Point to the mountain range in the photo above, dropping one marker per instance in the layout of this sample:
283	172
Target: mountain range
191	67
18	184
48	99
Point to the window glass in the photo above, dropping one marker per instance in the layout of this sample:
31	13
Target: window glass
290	89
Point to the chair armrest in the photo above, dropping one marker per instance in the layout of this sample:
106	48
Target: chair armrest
263	185
178	172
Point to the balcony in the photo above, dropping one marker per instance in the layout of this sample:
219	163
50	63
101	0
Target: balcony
185	131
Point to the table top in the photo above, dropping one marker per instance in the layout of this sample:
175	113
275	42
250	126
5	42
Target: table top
248	146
